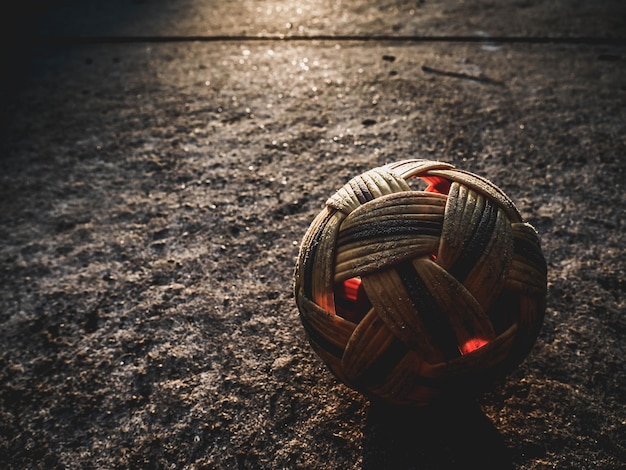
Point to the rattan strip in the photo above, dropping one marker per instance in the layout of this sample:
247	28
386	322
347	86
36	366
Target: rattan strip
382	182
331	328
370	341
391	301
375	254
486	278
466	316
482	185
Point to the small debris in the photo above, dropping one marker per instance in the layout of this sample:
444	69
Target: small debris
389	58
479	78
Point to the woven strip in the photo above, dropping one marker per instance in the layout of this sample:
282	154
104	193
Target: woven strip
455	283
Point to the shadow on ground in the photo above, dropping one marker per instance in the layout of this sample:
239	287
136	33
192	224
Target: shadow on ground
458	436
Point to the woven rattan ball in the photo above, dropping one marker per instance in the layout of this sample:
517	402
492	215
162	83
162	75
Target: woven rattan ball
413	296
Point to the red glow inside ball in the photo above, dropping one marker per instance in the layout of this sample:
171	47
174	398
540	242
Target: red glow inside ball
437	185
472	345
351	301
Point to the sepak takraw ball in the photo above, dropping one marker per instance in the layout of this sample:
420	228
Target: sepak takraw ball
412	296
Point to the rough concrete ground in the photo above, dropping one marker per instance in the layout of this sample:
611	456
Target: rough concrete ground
153	196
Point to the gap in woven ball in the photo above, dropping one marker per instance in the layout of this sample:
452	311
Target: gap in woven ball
504	311
351	301
434	184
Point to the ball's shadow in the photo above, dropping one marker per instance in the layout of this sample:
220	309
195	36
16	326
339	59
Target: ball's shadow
445	437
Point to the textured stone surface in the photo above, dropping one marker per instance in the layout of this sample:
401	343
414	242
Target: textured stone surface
153	197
